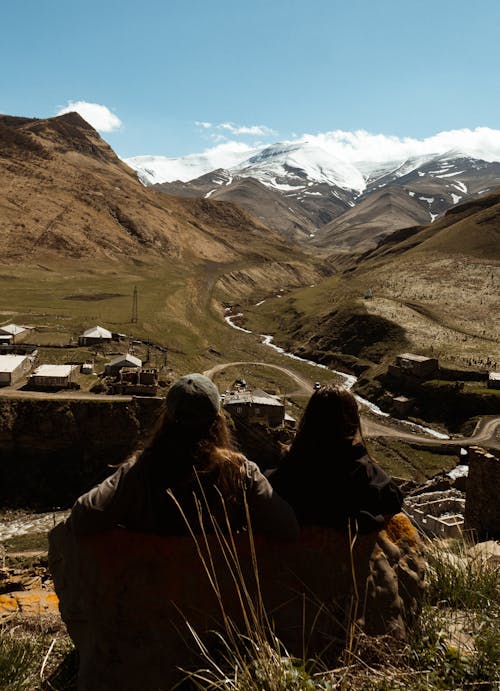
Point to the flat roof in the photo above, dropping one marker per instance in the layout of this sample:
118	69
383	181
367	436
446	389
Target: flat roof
417	358
255	397
8	363
53	371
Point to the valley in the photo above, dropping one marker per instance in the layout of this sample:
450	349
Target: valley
80	235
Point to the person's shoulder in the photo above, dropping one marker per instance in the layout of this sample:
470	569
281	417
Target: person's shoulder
250	469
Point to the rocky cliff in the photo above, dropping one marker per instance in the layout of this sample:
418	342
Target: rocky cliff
53	450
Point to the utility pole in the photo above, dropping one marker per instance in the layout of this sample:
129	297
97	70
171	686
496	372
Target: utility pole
134	307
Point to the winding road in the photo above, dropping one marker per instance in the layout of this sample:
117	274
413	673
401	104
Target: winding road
487	432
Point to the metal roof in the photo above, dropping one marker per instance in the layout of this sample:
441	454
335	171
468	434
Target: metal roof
12	329
126	358
8	363
415	358
255	397
97	332
53	371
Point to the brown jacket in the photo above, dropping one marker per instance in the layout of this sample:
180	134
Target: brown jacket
134	499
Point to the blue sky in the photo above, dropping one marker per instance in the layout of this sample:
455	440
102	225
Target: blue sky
253	71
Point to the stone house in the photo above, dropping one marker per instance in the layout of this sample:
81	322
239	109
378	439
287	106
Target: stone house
416	366
494	380
254	406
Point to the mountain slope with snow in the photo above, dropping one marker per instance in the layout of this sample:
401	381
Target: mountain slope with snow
309	189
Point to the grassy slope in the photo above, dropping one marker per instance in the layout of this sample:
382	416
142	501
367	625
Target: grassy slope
435	290
74	221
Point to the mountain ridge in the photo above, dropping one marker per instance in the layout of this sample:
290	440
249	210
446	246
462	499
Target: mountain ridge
327	195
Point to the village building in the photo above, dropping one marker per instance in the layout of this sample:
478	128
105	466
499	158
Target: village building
402	405
482	509
12	333
494	380
136	381
255	406
416	366
53	376
113	368
95	335
13	368
438	514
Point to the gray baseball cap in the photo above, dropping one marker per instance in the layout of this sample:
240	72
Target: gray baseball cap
193	401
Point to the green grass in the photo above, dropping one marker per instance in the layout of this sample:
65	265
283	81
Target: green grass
35	655
408	461
26	543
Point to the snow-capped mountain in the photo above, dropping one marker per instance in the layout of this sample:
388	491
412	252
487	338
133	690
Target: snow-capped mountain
303	191
289	167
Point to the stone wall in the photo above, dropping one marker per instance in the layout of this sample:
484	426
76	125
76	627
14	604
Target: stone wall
482	506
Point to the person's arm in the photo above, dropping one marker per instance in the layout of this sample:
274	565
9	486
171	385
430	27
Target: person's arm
108	505
378	495
269	513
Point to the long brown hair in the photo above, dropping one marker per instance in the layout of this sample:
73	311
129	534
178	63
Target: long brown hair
179	452
330	419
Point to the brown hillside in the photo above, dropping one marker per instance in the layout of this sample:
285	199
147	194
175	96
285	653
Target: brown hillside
66	193
372	219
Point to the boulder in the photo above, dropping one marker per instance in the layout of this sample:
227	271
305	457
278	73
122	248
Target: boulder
127	598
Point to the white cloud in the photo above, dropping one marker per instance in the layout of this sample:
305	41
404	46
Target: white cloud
361	146
256	130
97	115
163	169
253	130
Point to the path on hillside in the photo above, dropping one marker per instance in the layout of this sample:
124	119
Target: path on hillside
304	387
487	431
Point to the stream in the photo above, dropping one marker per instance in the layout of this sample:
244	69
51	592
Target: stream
348	379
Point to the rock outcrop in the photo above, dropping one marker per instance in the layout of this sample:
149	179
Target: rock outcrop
126	598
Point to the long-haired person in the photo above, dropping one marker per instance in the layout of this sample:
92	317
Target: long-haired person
190	456
326	474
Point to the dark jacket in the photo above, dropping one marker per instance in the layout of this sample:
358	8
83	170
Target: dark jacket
135	497
330	491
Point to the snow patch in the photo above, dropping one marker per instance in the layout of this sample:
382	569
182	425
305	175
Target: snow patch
451	175
460	186
456	198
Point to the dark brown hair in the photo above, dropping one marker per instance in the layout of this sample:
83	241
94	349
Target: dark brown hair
180	452
331	418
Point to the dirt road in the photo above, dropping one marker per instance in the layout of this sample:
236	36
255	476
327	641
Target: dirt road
487	432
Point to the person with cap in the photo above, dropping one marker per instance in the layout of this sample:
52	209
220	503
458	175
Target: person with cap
188	473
